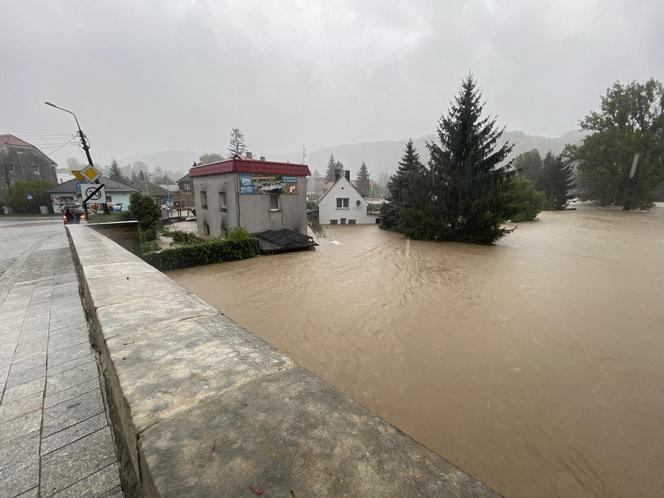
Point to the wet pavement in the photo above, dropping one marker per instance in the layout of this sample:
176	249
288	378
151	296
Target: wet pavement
54	432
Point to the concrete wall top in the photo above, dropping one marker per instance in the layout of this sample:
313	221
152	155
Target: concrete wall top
202	407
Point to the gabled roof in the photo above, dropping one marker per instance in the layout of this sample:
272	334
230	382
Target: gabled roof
238	165
185	178
69	187
335	184
13	141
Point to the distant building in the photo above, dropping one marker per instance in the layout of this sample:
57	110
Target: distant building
342	204
254	194
116	192
184	197
21	162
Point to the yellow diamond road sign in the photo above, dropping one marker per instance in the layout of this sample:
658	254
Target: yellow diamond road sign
78	175
90	173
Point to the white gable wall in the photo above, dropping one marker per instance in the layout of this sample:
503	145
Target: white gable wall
327	206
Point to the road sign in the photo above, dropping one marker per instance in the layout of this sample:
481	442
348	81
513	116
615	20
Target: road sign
78	186
78	175
89	195
29	196
90	173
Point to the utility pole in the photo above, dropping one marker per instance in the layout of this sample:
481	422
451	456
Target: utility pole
86	148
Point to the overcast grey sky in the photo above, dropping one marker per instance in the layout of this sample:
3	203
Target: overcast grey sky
149	75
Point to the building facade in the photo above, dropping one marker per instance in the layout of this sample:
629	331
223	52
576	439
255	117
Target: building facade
253	194
117	193
342	204
22	162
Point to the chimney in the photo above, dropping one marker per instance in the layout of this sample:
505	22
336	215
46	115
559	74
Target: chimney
262	158
347	174
337	174
249	155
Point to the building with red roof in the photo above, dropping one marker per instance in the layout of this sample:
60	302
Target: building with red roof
258	195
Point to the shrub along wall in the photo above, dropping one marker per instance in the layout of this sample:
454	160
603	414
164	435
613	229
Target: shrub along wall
203	254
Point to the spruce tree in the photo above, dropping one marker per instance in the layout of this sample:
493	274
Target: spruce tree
363	180
114	173
236	145
556	181
332	166
402	190
467	171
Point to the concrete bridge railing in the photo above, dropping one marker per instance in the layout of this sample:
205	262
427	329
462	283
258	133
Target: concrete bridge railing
202	407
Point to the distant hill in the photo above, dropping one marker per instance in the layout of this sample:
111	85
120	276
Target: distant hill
381	156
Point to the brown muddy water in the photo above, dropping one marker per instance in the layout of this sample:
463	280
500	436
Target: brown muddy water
536	365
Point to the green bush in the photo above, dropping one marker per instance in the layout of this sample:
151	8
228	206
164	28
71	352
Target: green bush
522	202
238	234
204	253
185	238
144	210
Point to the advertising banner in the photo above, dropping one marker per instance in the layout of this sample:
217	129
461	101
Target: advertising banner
257	183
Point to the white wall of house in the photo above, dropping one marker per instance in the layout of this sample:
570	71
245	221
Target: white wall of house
352	209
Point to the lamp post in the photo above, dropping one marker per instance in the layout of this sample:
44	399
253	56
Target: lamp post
86	148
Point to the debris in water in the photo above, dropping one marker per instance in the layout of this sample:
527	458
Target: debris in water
258	491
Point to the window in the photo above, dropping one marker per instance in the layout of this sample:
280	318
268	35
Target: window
35	169
334	222
274	201
343	221
222	202
358	203
203	199
342	202
351	222
187	186
11	168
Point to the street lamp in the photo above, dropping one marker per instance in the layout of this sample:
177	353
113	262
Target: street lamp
84	142
86	148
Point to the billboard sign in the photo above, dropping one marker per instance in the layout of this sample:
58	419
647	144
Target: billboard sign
258	183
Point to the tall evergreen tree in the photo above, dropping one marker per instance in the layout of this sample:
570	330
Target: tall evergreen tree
467	172
332	166
556	181
114	173
402	190
363	180
236	145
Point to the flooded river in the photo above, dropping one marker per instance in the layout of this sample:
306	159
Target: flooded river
537	365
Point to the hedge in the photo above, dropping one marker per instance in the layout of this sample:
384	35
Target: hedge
202	254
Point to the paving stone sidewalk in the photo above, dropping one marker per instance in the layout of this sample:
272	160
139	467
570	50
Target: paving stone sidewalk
54	434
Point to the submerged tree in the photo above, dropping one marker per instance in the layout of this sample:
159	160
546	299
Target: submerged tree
556	181
236	145
363	180
467	171
522	202
401	190
622	161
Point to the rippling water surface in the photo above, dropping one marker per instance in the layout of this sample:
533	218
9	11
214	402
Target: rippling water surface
536	365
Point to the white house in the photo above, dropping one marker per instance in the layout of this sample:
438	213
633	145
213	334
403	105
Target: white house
342	204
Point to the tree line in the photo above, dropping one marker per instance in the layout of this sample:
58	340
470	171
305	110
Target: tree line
469	186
